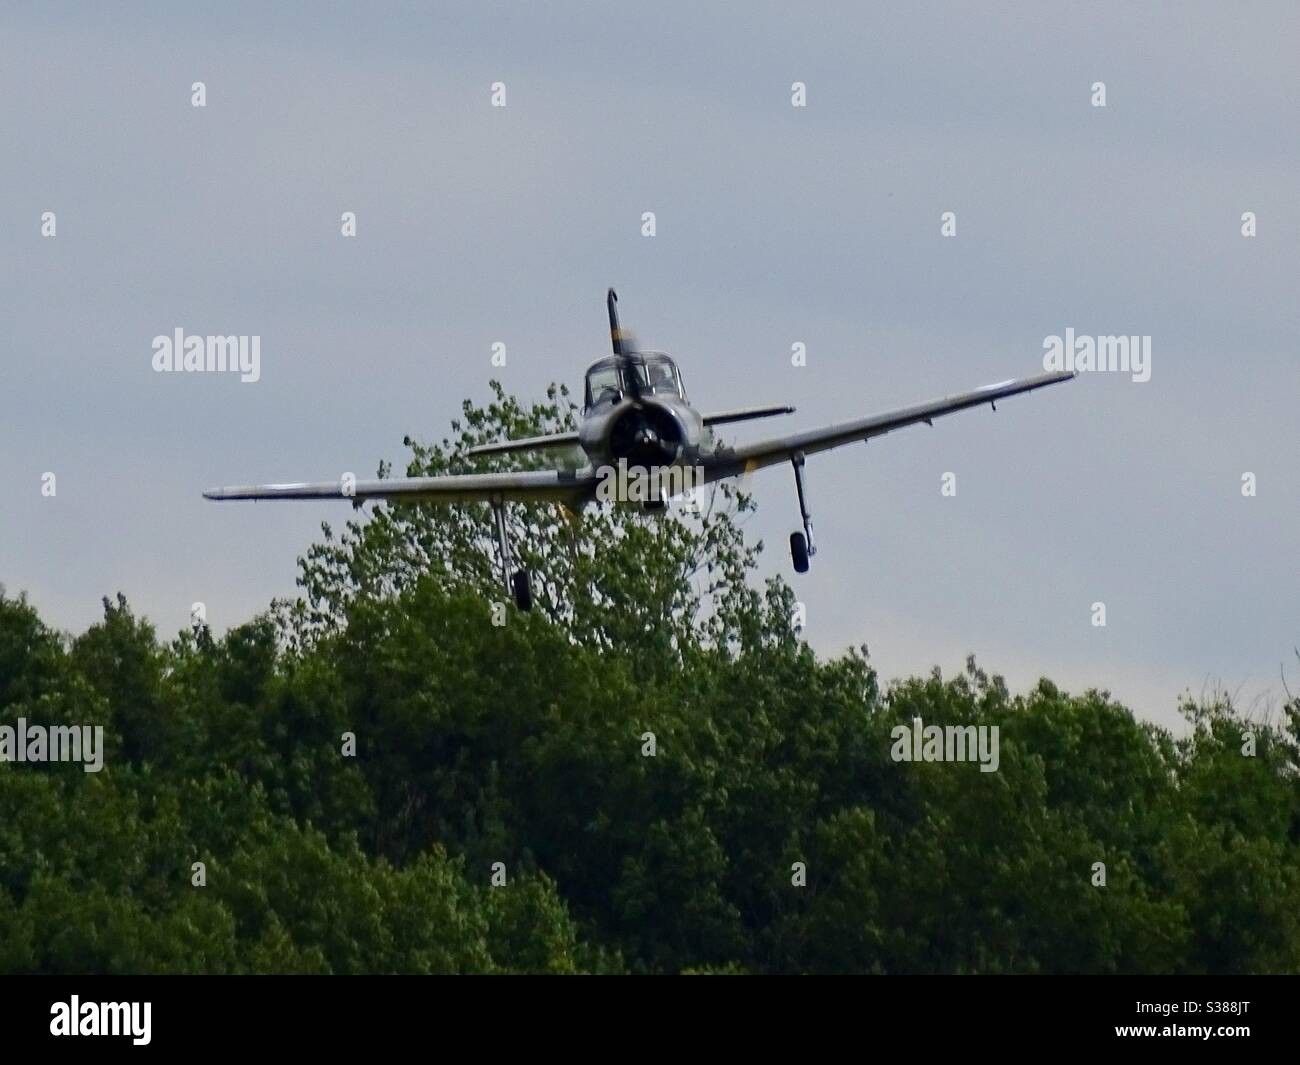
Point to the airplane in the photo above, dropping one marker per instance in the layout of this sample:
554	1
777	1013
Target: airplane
636	413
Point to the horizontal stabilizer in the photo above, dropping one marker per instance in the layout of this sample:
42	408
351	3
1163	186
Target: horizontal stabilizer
744	414
529	443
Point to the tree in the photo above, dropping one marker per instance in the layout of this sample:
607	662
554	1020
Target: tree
665	774
610	576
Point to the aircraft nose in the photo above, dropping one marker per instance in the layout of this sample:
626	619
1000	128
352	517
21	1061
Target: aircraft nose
648	435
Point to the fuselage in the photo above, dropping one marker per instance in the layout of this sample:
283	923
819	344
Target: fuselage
636	410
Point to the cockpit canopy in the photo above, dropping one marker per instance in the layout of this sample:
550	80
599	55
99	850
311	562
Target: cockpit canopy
654	372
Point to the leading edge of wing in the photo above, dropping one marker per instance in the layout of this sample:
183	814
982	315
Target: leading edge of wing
562	486
778	449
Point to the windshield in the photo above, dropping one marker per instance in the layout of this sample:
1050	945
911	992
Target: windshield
663	376
602	383
647	375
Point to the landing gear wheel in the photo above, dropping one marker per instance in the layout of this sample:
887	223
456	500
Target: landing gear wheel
522	589
799	552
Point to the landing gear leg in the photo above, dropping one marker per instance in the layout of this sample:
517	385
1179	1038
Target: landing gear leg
518	585
802	547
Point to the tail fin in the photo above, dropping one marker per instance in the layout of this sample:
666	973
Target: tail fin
622	339
615	333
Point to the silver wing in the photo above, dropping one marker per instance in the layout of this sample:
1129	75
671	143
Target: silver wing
574	487
532	486
729	462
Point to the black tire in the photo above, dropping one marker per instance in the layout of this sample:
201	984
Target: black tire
799	552
522	588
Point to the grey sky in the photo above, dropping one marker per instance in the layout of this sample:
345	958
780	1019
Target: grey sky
775	225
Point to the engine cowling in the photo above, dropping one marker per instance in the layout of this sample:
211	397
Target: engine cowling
646	435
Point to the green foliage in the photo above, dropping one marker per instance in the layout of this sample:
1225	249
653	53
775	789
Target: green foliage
610	577
522	744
